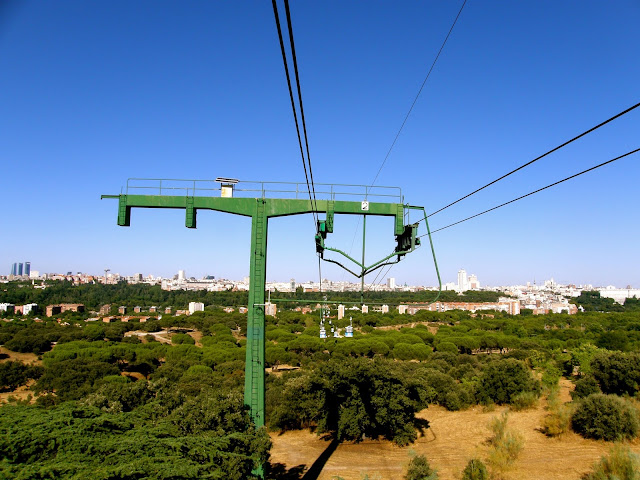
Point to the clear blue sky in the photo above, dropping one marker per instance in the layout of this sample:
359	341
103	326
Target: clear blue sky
92	93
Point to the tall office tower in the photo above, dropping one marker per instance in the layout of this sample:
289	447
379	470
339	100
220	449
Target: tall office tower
27	268
293	284
181	275
391	282
14	269
463	284
19	269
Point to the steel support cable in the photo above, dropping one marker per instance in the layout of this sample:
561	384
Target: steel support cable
293	108
304	125
383	275
304	129
540	157
433	64
419	91
433	253
539	190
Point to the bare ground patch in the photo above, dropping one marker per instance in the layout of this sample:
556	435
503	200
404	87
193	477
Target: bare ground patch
28	358
453	439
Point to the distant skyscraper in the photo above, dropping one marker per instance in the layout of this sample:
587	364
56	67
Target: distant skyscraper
14	269
463	283
181	275
27	268
19	269
391	282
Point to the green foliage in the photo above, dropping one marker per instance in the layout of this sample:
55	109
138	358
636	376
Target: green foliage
448	347
617	373
446	391
558	420
26	342
585	386
613	341
605	417
15	374
524	401
209	436
501	381
592	301
620	464
551	375
74	378
419	469
581	357
475	470
350	398
182	339
505	444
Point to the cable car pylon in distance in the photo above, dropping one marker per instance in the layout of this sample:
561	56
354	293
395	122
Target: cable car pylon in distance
258	201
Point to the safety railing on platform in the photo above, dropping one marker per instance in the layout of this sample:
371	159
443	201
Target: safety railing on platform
253	189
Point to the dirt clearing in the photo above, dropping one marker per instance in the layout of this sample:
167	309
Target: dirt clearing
453	439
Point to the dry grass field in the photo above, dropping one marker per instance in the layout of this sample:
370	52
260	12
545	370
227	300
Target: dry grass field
453	439
21	393
28	358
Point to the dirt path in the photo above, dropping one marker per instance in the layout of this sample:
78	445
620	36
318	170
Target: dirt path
453	439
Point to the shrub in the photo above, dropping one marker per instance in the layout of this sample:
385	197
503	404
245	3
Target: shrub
621	464
419	469
182	338
504	379
605	417
15	374
558	420
199	371
505	444
29	342
350	398
448	347
617	373
524	400
584	387
475	470
551	375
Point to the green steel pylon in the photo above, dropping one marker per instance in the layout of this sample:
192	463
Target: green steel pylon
260	210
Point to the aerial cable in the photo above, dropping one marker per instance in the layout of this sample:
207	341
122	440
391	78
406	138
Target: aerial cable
293	108
424	82
419	92
304	125
539	190
538	158
384	275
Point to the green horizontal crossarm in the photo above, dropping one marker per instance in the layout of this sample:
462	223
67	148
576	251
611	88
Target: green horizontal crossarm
274	207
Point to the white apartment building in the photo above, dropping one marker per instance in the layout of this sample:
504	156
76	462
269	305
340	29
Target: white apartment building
195	307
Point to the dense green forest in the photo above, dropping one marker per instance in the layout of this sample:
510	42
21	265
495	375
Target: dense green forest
111	406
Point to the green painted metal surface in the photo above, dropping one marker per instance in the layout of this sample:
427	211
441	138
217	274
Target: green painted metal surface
254	366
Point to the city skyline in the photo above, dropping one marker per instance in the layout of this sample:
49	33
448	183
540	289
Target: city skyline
449	281
100	92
